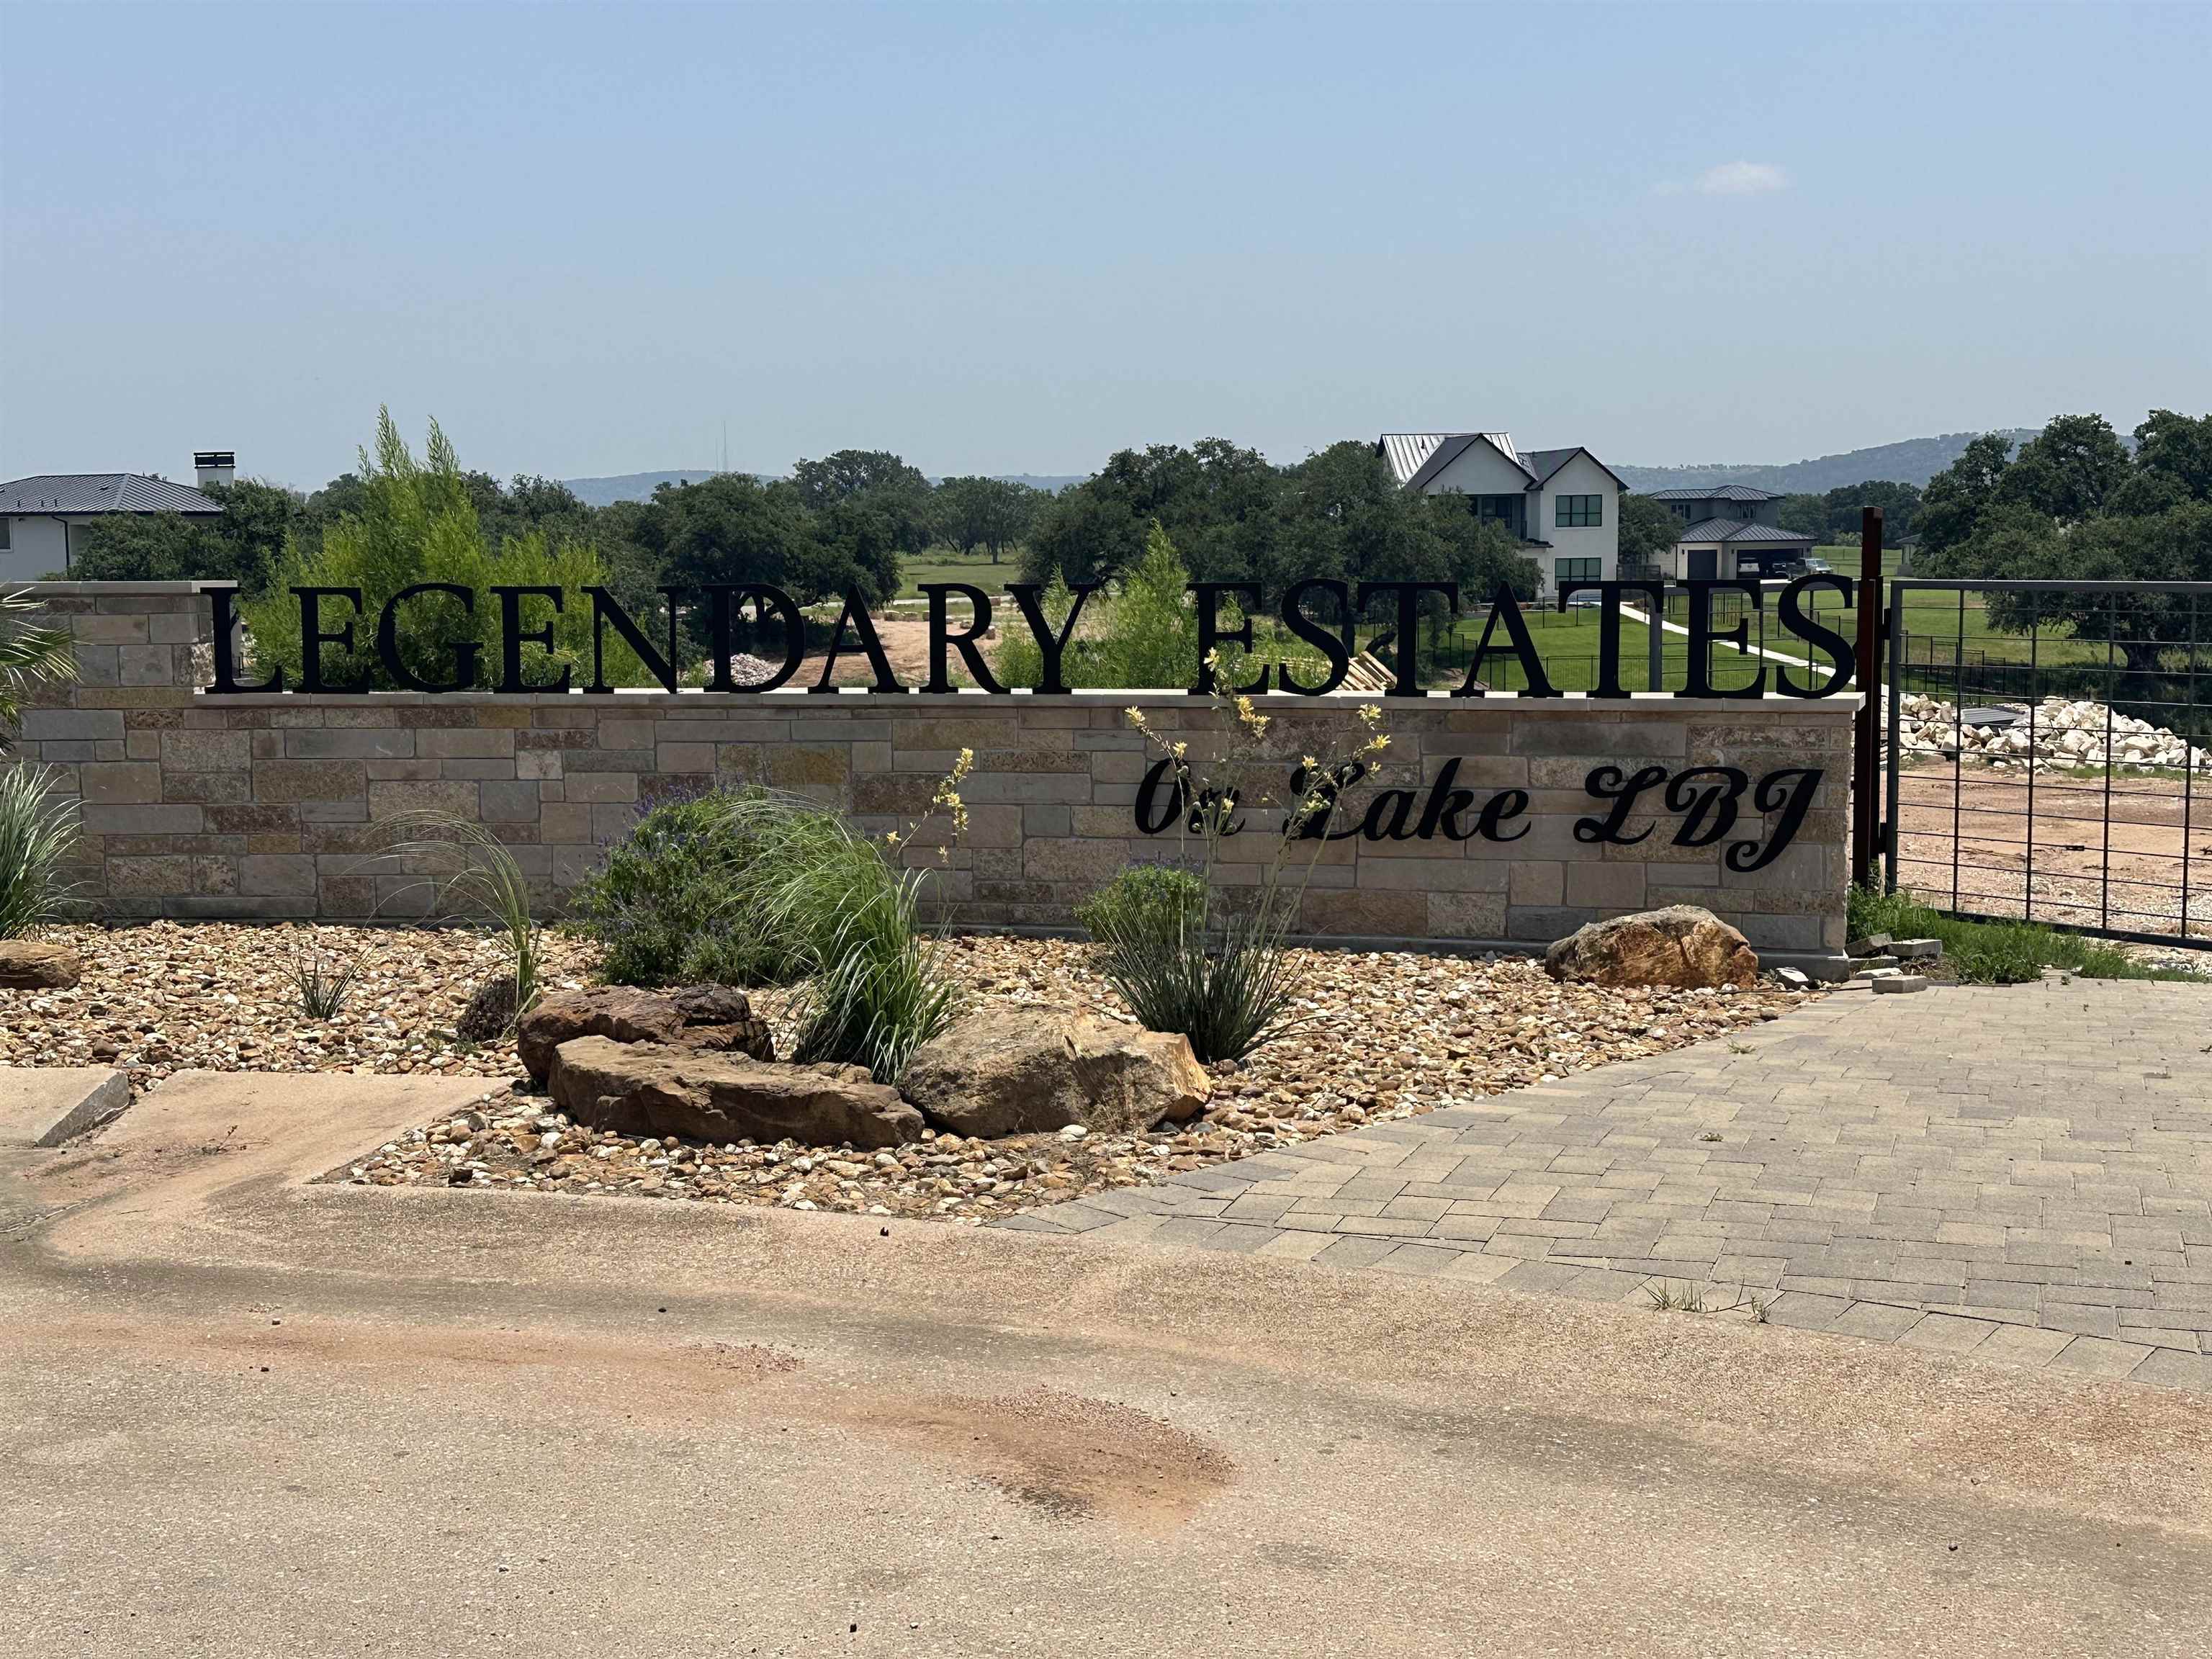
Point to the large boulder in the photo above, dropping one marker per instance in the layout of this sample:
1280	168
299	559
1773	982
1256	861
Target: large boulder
1680	945
711	1017
29	964
663	1089
1034	1070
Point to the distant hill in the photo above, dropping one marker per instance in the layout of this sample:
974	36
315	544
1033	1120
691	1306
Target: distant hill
640	486
1914	462
632	486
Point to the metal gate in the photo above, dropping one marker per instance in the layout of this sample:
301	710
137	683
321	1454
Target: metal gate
2048	753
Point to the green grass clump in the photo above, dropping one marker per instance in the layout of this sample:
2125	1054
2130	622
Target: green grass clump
37	831
1997	952
1228	988
872	986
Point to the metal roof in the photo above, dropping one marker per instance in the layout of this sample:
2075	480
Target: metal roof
1736	530
1726	492
1417	457
1408	451
101	492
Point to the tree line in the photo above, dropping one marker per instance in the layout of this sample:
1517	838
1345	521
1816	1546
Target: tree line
840	523
2075	504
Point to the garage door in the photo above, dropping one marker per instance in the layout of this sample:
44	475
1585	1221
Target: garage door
1702	563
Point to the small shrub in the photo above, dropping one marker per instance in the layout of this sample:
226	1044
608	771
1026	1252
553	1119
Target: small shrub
37	832
680	900
1152	902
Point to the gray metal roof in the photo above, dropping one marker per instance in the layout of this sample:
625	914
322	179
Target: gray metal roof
1736	530
1726	492
101	492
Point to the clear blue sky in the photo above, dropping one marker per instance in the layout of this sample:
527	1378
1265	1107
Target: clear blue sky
1014	239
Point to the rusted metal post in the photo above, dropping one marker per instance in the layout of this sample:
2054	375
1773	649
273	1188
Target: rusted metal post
1866	757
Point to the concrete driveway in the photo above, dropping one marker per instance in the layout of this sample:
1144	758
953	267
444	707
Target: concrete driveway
249	1416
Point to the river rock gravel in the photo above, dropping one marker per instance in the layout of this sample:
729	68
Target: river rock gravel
1391	1035
1387	1035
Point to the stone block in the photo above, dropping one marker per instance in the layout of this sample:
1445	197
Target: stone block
264	875
207	788
564	822
803	764
597	788
442	795
207	751
386	743
1466	915
1541	924
310	781
61	725
154	877
120	782
464	743
141	820
1605	886
508	802
147	665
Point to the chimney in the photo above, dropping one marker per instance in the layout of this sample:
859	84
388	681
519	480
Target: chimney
214	466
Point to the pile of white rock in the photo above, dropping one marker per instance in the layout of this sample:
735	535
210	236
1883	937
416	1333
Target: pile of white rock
2060	734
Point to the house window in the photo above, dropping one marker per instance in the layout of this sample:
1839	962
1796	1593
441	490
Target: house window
1578	570
1579	512
4	523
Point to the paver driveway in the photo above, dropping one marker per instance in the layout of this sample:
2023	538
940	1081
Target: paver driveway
2024	1174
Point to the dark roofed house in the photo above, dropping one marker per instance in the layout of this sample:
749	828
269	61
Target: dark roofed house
1729	531
42	517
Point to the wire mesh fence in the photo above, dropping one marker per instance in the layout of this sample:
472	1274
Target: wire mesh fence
2048	751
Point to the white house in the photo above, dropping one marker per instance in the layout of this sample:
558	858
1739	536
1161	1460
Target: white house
42	517
1564	504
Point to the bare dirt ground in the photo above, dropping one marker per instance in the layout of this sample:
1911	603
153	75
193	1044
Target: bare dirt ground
2082	859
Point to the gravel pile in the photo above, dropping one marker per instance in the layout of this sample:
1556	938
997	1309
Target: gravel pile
2065	734
1395	1035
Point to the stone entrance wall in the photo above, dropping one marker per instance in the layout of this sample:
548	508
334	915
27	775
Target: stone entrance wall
195	805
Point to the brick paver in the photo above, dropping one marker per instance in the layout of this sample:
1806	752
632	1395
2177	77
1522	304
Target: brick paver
2023	1175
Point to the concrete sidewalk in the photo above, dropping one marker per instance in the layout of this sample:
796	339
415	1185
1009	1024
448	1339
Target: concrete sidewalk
2023	1173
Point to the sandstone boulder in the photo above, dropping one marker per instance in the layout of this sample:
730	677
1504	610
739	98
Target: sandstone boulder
1680	945
711	1017
674	1089
1034	1070
29	964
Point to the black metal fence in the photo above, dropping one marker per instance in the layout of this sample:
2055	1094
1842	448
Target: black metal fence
2048	750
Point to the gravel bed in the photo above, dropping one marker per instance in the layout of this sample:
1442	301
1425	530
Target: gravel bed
168	996
1392	1034
1395	1035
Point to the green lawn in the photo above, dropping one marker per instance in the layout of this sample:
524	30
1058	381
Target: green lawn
949	564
